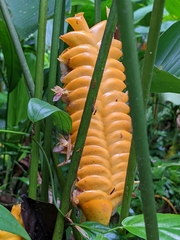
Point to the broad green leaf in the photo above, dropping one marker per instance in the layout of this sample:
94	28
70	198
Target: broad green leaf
62	121
82	3
25	15
173	7
168	225
100	237
38	110
9	223
170	97
168	53
141	13
95	230
17	109
12	63
166	75
164	82
145	30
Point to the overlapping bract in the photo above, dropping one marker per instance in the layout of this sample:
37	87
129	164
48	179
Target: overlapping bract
103	166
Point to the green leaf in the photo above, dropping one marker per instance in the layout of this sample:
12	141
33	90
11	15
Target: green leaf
173	7
170	97
62	121
16	107
168	53
24	180
82	3
164	82
25	15
100	232
100	237
12	63
168	225
38	110
9	223
141	13
145	30
166	75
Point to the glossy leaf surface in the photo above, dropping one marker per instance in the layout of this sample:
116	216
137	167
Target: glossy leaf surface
13	67
168	54
25	15
166	75
168	225
173	7
164	82
98	231
38	110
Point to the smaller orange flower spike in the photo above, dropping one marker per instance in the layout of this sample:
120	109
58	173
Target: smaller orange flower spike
97	210
16	212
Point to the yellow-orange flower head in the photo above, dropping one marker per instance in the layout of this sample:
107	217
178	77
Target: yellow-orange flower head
103	166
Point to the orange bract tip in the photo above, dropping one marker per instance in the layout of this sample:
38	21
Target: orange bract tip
78	22
76	38
97	210
98	30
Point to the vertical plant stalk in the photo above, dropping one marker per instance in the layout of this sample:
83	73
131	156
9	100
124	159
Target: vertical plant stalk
147	71
58	10
86	118
58	171
125	19
38	94
151	50
17	45
128	188
97	9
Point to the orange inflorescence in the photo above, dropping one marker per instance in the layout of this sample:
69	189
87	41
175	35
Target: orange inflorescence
103	166
16	212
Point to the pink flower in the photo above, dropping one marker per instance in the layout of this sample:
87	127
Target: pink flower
59	92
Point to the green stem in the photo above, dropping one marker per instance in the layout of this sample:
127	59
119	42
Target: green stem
97	8
38	94
85	121
152	43
58	171
47	149
146	82
8	171
51	83
124	9
128	188
50	174
14	132
18	48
